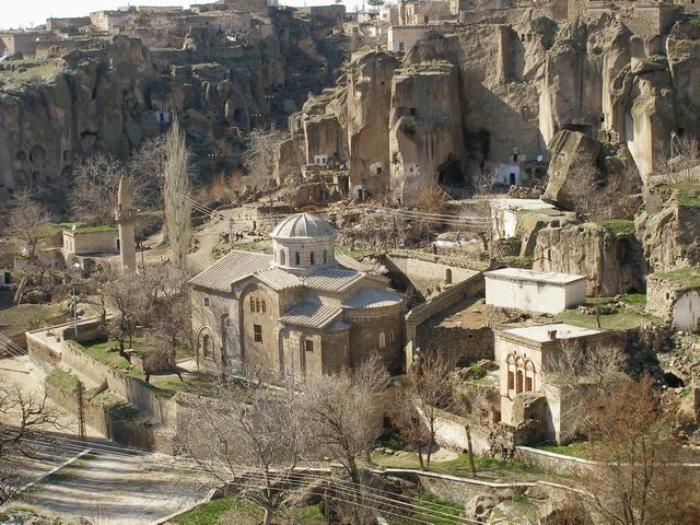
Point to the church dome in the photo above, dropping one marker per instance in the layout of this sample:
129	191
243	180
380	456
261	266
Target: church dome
303	226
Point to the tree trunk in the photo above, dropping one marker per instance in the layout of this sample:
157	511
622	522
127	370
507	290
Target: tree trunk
267	520
470	451
420	459
354	474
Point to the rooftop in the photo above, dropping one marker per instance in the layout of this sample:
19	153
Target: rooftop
540	333
303	225
373	298
312	315
521	204
231	268
332	279
521	274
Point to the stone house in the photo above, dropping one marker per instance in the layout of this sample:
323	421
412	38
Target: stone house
506	212
90	241
524	355
23	42
675	297
296	311
531	291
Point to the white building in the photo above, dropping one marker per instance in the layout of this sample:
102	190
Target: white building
524	356
531	291
504	214
675	297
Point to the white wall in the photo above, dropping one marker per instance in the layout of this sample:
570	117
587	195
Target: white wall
686	312
534	297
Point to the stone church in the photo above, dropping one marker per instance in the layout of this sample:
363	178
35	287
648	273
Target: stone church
297	311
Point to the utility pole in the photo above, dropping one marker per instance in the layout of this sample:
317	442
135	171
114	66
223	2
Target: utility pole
80	389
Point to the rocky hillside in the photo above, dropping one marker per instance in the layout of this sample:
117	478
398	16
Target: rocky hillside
598	95
109	94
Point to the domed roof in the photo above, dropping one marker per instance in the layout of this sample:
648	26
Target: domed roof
303	225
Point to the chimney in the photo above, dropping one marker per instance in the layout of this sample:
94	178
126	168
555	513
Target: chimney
552	335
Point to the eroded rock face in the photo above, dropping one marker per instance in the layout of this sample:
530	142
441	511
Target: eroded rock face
584	177
425	135
96	102
671	237
611	263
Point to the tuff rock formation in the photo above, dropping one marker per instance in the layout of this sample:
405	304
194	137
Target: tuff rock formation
612	263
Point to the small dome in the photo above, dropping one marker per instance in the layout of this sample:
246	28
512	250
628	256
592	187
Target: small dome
303	225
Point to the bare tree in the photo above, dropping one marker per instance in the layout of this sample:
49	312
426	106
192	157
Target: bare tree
261	156
93	196
252	438
28	222
127	296
637	482
147	165
678	159
428	389
22	415
342	412
176	190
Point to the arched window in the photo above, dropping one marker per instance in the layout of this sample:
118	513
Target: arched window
313	258
297	259
325	256
257	305
382	340
252	304
205	301
264	306
529	376
392	338
283	258
206	345
510	360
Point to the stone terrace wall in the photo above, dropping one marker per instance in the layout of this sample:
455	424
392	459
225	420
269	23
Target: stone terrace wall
133	390
471	287
461	344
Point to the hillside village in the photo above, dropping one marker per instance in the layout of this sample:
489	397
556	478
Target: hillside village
422	262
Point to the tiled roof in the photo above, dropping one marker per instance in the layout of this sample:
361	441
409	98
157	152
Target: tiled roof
233	267
278	279
332	279
372	298
313	315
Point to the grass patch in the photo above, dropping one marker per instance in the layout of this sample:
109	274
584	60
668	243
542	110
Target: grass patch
618	227
357	253
688	193
689	277
72	471
635	299
458	466
232	509
621	319
58	227
264	246
197	384
63	380
21	318
436	511
515	261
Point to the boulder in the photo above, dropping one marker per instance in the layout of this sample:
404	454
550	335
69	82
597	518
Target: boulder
479	507
514	512
583	177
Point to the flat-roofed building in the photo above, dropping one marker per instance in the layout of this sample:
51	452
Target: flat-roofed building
531	291
525	355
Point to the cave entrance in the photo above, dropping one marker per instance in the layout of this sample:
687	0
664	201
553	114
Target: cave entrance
450	173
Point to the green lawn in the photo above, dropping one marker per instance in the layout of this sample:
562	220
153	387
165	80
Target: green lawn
233	510
18	319
264	246
454	467
688	193
618	227
437	511
63	380
622	319
686	276
197	384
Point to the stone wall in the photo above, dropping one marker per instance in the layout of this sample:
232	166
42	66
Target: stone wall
461	344
131	389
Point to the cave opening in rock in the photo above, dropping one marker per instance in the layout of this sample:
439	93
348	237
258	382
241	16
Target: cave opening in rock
450	173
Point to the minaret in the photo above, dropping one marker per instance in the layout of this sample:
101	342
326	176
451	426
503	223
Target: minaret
126	217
